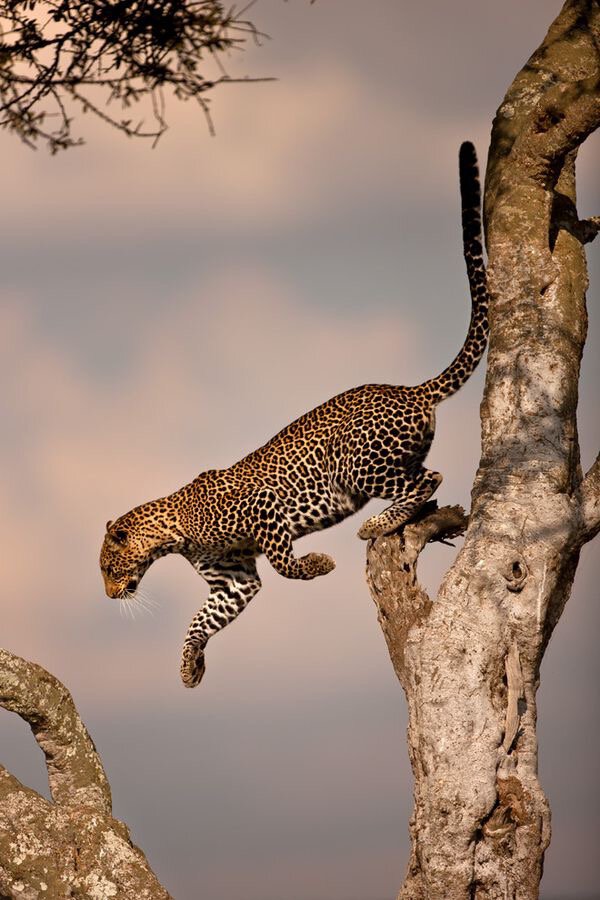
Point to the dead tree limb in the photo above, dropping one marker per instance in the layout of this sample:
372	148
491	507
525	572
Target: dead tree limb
71	846
469	661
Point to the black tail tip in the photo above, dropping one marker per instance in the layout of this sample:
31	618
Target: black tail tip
467	155
469	176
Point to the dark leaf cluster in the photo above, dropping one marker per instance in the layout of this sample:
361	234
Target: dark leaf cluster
113	58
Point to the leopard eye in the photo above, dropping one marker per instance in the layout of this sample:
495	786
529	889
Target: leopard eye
120	535
110	572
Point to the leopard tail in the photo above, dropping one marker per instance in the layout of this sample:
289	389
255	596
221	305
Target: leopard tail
465	363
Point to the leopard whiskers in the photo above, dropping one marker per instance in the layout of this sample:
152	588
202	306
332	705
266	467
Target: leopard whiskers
125	607
138	601
145	602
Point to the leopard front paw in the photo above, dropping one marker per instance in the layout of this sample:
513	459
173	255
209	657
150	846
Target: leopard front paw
314	564
193	666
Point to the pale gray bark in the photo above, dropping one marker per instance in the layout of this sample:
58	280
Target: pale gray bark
72	846
469	661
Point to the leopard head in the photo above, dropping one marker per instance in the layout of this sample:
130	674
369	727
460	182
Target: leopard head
126	554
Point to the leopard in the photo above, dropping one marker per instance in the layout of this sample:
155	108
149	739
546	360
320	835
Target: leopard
368	442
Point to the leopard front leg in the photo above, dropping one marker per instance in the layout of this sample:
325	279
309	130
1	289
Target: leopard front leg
232	585
413	494
269	529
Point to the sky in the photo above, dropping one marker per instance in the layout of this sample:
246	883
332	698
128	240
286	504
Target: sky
166	311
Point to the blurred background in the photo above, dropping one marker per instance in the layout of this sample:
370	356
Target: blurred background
166	311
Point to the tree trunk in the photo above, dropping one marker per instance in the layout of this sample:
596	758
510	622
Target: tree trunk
469	662
71	847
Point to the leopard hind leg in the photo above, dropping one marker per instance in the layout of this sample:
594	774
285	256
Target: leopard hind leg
270	529
413	491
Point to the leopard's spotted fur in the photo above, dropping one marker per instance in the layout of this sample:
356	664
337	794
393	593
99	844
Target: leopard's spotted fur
370	441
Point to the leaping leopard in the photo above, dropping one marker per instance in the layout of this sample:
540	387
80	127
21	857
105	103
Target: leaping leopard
370	441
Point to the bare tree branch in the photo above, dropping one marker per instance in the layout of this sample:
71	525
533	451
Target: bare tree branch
72	846
58	57
75	773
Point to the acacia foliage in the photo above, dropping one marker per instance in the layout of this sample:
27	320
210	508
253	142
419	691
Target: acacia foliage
117	59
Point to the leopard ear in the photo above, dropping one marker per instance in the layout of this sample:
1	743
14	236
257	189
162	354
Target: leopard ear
120	536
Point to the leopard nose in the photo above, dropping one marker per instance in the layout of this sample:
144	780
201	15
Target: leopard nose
132	585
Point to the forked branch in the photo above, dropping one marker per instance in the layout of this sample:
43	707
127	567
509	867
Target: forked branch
75	773
392	574
72	845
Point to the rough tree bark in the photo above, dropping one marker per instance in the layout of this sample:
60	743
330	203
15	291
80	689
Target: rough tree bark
469	662
71	847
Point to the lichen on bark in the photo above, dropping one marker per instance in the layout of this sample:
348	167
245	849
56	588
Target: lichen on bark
70	846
